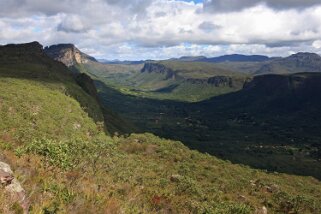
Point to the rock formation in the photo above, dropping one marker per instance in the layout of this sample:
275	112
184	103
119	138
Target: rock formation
12	188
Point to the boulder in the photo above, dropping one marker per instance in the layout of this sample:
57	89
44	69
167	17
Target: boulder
12	187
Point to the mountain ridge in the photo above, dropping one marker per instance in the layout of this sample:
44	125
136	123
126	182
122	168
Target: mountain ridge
69	165
296	63
68	54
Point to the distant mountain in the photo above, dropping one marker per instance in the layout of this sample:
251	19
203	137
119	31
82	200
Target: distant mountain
119	62
189	58
296	63
237	58
272	123
68	54
225	58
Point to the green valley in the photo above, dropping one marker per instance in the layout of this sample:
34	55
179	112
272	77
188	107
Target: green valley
53	135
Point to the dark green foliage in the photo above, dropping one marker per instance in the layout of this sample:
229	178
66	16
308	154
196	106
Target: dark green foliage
271	124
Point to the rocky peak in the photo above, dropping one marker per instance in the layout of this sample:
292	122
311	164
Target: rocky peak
68	54
305	56
151	67
306	60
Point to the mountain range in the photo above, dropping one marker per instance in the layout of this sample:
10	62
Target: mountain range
68	122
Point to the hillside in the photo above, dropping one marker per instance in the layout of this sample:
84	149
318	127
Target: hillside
170	79
296	63
274	116
67	164
173	80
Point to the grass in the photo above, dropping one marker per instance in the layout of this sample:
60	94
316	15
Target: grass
236	127
67	164
48	112
129	80
146	174
199	69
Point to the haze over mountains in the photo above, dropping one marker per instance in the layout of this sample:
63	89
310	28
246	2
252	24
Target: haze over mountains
230	103
160	107
60	109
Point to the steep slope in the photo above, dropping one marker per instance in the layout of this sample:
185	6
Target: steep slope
171	79
85	70
68	54
276	117
296	63
68	165
185	81
38	95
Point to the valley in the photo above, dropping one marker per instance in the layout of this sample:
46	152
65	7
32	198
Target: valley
55	135
265	121
160	107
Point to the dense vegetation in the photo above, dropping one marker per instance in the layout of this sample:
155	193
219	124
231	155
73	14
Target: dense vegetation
271	124
52	136
168	80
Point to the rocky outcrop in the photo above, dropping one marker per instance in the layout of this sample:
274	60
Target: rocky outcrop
220	81
217	81
150	67
12	187
68	54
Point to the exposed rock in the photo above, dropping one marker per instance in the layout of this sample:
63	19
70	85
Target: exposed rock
159	68
220	81
272	188
12	187
68	54
175	178
242	198
217	81
262	210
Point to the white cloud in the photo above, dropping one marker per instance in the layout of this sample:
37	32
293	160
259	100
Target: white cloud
72	24
317	44
162	28
236	5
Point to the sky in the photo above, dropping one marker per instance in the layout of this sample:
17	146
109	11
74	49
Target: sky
160	29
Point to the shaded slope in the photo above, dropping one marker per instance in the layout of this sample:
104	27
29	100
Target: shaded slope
85	70
75	168
28	61
273	123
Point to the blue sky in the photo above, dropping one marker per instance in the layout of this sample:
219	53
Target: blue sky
159	29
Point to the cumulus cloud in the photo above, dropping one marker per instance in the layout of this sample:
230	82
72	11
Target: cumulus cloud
235	5
153	29
72	24
317	44
208	26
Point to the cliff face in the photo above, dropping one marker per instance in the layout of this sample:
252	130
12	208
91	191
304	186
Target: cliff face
68	54
216	80
159	68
